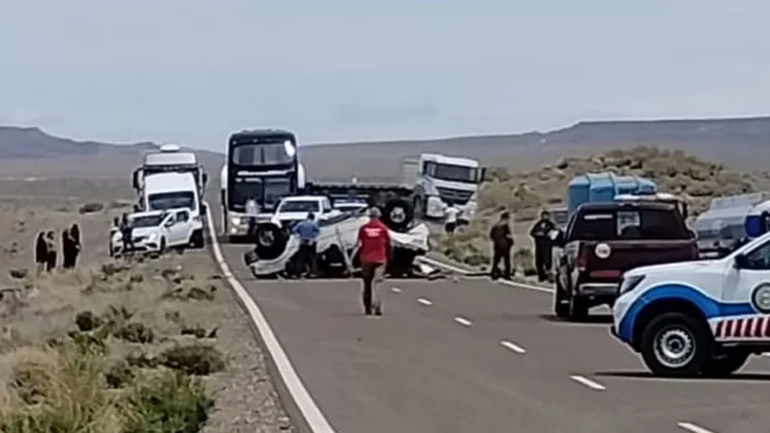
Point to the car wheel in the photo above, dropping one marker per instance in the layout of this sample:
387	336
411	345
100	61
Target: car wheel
397	214
725	363
196	239
578	309
676	344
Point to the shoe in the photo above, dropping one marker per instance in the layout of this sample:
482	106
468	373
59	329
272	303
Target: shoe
378	309
368	311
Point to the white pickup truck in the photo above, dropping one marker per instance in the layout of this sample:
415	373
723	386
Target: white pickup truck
700	317
156	231
292	210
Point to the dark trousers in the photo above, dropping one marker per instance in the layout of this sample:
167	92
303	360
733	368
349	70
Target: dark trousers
51	261
372	274
501	254
542	260
307	259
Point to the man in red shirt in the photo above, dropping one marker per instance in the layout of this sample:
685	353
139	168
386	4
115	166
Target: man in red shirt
374	251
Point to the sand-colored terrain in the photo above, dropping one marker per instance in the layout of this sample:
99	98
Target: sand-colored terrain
153	310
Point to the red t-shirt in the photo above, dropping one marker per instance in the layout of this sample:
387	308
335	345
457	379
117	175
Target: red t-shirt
375	241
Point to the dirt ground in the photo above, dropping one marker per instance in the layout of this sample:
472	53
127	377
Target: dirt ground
46	306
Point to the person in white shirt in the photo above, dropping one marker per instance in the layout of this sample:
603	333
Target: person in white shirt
450	219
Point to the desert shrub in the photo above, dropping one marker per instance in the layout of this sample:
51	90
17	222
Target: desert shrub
168	403
91	208
194	359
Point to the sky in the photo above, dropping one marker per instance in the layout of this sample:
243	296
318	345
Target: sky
193	71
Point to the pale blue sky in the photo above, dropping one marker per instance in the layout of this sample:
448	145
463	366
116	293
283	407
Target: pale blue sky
192	71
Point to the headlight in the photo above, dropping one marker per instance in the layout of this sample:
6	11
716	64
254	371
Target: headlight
236	220
630	283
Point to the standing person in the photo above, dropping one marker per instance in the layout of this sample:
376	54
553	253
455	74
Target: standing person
307	231
252	209
540	236
41	253
502	243
76	244
66	248
126	233
51	255
450	220
374	252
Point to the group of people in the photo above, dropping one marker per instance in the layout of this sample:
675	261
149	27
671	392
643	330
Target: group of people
373	246
46	252
501	237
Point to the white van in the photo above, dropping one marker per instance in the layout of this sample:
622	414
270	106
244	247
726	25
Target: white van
167	191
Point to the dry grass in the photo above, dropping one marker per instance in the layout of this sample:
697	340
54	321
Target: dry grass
527	193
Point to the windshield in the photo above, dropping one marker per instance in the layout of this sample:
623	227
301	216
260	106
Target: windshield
146	220
276	189
455	173
300	206
172	200
261	154
637	224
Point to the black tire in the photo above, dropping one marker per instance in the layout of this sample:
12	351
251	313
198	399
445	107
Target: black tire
725	364
397	214
271	241
693	335
560	307
578	309
196	239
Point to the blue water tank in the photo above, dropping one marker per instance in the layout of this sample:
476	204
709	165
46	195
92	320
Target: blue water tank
603	187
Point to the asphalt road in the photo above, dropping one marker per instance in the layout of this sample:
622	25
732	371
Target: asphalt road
472	355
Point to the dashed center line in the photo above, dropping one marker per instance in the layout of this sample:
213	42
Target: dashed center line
463	321
596	386
693	428
395	289
426	302
513	347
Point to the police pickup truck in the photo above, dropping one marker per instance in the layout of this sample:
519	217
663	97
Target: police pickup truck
698	318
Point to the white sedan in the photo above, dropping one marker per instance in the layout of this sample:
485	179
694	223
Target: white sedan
155	231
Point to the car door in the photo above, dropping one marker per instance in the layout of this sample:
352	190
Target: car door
175	229
184	226
746	291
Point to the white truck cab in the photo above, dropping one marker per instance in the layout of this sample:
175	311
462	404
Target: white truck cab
703	317
439	180
170	191
167	159
292	210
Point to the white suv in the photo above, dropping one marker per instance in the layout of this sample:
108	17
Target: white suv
155	231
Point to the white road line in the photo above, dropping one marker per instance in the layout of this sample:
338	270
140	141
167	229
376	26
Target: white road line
596	386
693	428
467	271
395	289
513	347
304	401
463	321
426	302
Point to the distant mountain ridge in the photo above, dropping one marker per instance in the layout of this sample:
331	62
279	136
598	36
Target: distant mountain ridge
734	141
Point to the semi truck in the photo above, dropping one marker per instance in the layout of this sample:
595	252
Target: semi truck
170	158
439	180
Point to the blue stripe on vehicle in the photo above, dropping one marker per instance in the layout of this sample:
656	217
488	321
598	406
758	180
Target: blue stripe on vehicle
710	307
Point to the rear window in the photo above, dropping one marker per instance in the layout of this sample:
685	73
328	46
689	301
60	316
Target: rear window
629	224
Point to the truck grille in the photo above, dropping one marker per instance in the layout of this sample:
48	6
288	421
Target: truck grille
454	196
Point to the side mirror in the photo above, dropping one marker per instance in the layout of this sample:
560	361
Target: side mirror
135	178
482	174
169	223
741	262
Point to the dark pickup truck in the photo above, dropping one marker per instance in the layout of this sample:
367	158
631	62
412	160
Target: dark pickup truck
604	240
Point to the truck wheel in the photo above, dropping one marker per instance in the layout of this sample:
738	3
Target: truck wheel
397	214
725	364
578	309
560	301
676	344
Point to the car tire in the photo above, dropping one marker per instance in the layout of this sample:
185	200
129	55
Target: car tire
397	214
578	309
560	307
725	364
196	239
271	241
676	345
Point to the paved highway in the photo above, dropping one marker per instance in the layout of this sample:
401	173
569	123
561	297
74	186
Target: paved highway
473	355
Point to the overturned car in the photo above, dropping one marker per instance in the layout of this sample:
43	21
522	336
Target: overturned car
276	253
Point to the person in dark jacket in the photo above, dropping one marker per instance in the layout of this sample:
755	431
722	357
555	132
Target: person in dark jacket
66	248
540	236
126	233
51	255
41	253
76	245
502	243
